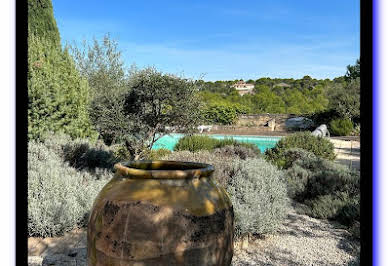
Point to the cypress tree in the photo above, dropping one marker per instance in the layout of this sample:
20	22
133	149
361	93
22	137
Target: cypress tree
41	20
58	97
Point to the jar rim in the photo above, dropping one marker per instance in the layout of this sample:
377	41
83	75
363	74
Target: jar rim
163	169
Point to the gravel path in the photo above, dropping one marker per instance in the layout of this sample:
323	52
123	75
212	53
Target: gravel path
301	240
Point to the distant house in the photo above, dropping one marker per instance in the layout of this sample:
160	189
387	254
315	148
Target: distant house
243	88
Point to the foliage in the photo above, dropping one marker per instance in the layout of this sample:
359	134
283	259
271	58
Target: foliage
328	190
353	71
222	164
153	103
357	130
288	156
323	117
256	189
258	195
225	114
158	154
59	197
341	127
102	65
120	152
195	143
339	206
41	22
241	151
81	154
302	96
320	147
58	97
346	101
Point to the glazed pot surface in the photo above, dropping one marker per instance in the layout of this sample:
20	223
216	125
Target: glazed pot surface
161	213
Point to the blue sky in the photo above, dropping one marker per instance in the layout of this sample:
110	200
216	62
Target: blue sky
222	40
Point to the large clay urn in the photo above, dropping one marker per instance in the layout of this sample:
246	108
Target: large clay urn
161	213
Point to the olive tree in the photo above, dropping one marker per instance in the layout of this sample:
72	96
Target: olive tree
154	105
101	63
132	106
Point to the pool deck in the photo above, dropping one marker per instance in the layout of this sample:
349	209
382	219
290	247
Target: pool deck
347	148
348	152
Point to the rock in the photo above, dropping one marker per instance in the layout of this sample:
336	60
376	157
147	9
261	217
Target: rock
271	123
245	243
299	123
203	128
321	131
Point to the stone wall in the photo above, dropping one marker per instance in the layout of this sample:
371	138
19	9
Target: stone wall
261	121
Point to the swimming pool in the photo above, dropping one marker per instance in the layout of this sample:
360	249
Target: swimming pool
264	143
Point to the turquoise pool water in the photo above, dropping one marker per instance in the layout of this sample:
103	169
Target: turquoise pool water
264	143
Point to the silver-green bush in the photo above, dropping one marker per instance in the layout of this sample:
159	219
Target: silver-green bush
82	154
327	189
243	152
59	196
259	196
256	188
222	164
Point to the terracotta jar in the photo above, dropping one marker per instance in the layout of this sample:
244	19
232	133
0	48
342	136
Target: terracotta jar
161	213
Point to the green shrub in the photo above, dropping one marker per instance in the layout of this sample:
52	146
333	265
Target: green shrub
59	196
310	177
55	142
325	206
158	154
120	152
357	130
349	214
241	151
222	164
232	142
341	127
285	159
320	147
259	196
330	178
198	142
195	143
256	188
225	114
339	206
81	154
323	117
224	142
297	178
328	190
